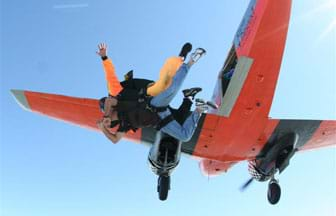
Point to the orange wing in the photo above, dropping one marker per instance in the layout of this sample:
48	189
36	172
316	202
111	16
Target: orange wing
83	112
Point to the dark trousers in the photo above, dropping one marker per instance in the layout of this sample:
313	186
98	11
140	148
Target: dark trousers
183	112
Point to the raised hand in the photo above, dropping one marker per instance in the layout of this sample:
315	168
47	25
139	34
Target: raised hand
102	50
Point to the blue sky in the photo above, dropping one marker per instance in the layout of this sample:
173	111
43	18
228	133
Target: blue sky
52	168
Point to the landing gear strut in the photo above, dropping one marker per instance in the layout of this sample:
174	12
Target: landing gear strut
273	159
163	158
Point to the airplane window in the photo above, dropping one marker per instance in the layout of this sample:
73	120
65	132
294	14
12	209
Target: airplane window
228	69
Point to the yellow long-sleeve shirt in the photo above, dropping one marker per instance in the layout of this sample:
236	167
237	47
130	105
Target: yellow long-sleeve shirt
167	73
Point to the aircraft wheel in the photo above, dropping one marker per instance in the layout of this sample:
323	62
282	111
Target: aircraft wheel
163	187
274	192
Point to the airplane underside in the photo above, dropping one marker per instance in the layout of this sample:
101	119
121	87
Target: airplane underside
240	129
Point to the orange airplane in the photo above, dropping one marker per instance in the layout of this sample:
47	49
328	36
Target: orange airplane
240	129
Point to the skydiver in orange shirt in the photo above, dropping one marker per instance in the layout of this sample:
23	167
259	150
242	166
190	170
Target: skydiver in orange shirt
153	89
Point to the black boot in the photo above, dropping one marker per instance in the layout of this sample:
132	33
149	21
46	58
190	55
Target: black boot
187	47
191	92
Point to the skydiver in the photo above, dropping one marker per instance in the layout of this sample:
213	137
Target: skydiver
180	115
166	75
172	81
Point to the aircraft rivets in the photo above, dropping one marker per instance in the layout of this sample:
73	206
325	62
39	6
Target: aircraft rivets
205	146
253	149
248	110
260	78
258	104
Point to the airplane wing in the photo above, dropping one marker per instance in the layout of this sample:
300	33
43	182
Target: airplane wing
241	128
83	112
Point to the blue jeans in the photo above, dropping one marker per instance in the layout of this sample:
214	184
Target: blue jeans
174	129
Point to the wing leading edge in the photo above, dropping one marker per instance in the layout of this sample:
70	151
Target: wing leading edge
83	112
80	111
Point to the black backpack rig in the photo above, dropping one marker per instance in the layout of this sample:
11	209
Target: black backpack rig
134	108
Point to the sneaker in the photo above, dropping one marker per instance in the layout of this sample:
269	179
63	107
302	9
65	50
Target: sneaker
187	47
212	105
199	52
191	92
201	106
201	102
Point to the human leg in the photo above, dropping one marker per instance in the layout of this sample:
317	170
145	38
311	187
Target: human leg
185	131
167	73
181	132
182	113
165	97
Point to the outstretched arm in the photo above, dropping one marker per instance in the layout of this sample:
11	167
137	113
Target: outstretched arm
113	83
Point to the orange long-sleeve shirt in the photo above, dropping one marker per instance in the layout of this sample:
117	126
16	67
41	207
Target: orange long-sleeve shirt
113	84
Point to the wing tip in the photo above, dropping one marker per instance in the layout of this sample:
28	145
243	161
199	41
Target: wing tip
20	98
